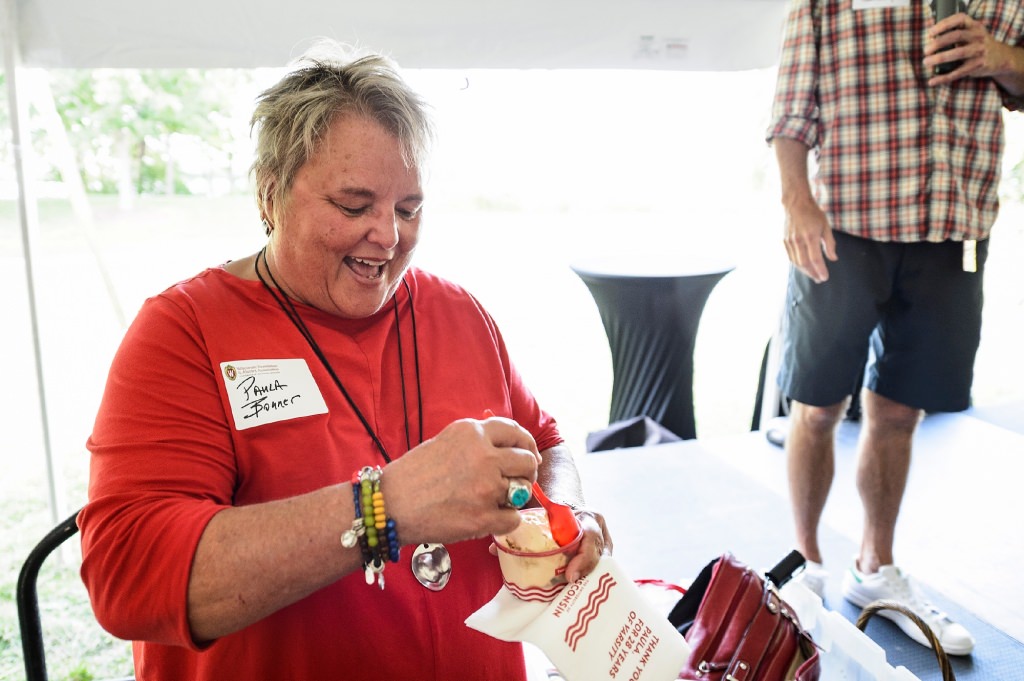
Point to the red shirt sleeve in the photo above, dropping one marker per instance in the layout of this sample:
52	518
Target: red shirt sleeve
150	503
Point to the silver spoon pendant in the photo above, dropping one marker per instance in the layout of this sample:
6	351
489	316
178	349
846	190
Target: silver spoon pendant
431	566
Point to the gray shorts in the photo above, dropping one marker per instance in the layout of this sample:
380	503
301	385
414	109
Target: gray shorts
910	303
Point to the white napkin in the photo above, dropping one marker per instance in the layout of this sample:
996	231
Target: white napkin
599	627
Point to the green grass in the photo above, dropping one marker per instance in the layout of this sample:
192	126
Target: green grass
77	649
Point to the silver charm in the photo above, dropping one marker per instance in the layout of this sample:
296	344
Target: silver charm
375	571
351	536
431	566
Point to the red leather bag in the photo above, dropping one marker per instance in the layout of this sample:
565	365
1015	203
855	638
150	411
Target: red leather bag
739	629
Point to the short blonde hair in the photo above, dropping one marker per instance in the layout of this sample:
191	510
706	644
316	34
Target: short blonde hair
292	115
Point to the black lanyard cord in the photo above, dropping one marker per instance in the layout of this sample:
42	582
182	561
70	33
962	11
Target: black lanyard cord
288	307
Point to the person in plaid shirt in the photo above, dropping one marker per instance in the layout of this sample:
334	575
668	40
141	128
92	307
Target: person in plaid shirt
887	236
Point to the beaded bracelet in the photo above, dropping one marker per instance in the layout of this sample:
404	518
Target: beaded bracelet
376	534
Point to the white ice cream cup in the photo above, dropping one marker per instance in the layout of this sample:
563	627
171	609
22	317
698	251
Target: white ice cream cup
534	575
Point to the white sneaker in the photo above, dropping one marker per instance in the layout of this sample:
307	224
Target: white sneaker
891	584
814	576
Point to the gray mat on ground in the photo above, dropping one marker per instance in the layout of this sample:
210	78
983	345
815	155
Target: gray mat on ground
996	656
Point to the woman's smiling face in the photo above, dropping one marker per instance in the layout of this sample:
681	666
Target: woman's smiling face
347	233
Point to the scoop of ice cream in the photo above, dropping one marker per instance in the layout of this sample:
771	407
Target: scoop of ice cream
533	534
532	563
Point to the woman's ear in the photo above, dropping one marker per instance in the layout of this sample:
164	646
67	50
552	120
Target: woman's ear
267	213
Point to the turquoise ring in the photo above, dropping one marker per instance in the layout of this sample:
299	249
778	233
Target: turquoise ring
519	492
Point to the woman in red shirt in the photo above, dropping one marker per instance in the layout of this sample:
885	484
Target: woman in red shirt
226	531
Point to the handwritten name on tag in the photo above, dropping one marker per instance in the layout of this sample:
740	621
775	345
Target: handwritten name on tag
263	391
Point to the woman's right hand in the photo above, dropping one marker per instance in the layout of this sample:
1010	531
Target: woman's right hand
454	486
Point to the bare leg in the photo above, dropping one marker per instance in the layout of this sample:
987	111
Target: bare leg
882	467
810	459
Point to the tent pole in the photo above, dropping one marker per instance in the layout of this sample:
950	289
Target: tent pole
27	216
41	98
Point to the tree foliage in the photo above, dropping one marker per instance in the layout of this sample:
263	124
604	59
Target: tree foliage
140	128
175	130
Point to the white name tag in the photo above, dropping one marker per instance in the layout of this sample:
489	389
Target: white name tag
970	255
263	391
872	4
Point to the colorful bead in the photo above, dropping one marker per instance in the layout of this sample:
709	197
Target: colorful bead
376	534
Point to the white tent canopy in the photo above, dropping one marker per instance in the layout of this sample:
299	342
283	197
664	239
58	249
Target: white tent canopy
711	35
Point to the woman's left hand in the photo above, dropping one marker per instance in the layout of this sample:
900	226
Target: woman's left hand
596	542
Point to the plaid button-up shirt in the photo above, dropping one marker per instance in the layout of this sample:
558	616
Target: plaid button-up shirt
896	160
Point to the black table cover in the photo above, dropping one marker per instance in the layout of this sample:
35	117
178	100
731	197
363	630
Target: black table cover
651	320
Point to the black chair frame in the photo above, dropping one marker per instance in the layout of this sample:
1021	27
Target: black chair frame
28	598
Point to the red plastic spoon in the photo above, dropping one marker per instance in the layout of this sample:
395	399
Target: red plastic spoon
561	518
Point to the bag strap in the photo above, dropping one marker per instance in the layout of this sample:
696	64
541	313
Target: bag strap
940	654
786	568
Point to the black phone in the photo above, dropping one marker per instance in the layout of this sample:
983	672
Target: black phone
943	9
